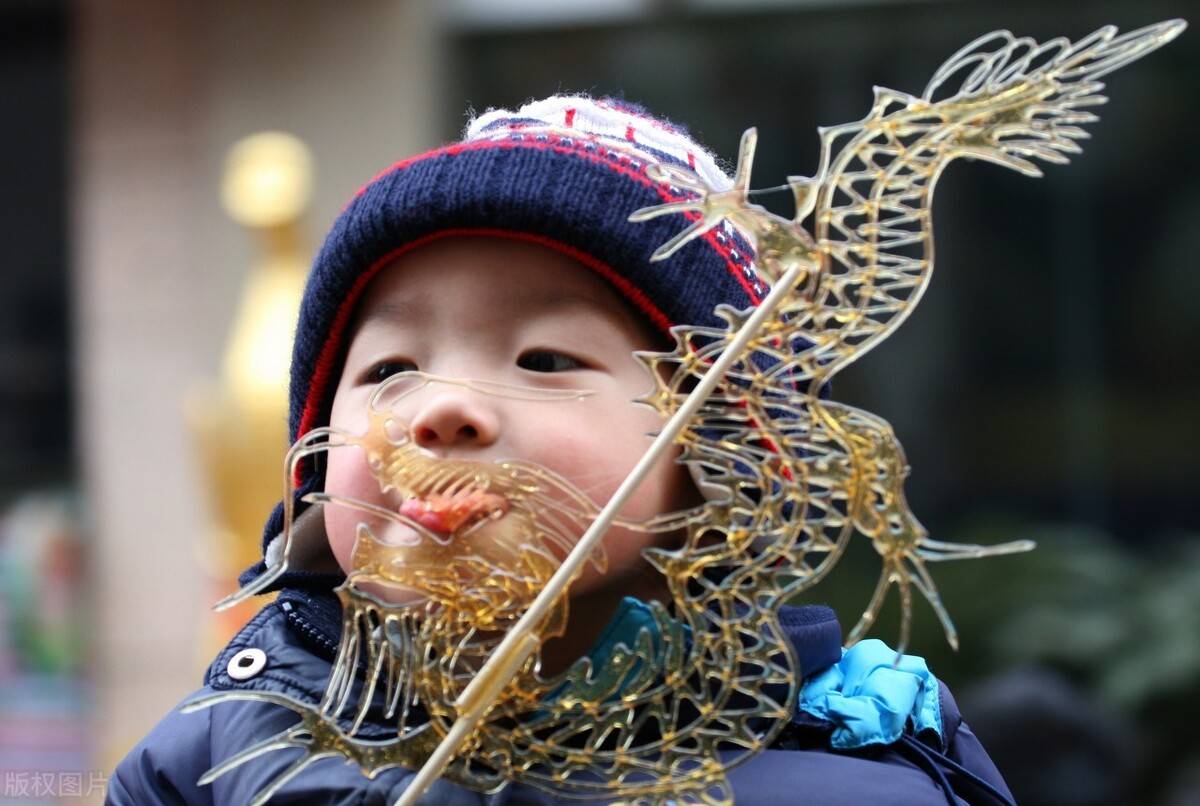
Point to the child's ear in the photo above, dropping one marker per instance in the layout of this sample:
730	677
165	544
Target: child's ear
313	466
310	549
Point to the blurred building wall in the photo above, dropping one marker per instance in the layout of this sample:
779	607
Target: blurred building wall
161	91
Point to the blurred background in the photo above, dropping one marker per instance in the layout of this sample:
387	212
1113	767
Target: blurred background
1047	388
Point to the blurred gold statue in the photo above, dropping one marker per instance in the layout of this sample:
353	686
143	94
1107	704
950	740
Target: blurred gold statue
240	423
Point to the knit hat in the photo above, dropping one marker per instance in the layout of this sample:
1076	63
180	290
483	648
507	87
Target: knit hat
565	173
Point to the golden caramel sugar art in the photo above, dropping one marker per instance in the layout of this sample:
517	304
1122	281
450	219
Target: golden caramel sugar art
794	477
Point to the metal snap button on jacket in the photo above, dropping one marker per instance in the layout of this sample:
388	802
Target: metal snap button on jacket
246	663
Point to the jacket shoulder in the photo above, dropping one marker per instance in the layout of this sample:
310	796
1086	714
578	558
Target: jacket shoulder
950	767
164	766
963	748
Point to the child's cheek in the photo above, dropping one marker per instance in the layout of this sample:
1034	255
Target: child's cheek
613	450
347	475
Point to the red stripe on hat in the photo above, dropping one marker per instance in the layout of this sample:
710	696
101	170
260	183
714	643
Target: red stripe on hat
629	133
331	351
323	368
569	118
691	160
576	150
640	115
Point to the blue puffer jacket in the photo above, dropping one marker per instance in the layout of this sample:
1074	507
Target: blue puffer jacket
298	632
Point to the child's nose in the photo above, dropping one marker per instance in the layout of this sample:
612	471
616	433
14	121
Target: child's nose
454	417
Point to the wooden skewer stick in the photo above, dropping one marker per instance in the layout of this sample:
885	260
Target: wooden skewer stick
522	640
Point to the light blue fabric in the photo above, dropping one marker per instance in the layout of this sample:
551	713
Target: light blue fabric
599	675
632	616
871	698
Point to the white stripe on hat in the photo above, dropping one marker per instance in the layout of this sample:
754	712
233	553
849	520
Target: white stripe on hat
618	128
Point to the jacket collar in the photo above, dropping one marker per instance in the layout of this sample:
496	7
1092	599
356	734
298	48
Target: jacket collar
815	634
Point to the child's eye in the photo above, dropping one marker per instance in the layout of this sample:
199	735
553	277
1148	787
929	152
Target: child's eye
386	369
547	361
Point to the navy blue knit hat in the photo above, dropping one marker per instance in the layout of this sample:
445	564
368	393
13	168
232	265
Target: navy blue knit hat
564	172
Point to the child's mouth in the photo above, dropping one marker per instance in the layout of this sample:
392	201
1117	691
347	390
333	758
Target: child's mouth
450	514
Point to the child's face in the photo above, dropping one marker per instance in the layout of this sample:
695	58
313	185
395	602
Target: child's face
515	313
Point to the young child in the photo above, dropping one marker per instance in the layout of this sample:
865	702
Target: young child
507	260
